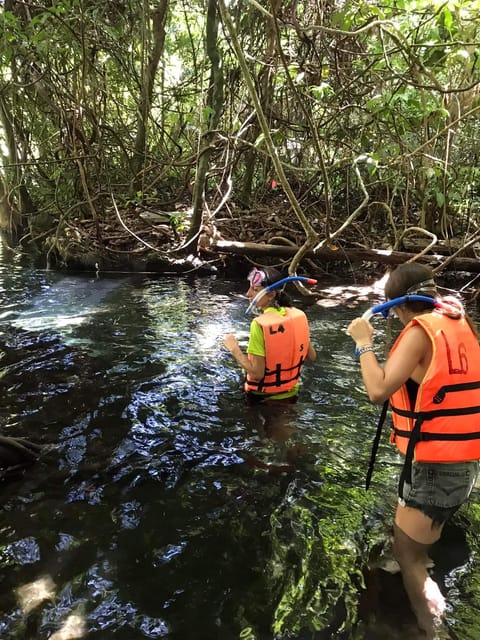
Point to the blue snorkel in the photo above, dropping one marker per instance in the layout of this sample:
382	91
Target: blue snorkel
275	285
385	307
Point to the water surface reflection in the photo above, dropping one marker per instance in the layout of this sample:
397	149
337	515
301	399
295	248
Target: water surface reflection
162	506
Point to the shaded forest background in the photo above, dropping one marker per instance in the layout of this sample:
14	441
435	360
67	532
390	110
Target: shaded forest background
160	134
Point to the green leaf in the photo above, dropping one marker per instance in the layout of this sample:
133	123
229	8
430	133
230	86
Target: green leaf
322	90
440	198
207	112
259	140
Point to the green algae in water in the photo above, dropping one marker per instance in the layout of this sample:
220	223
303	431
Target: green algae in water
464	595
319	551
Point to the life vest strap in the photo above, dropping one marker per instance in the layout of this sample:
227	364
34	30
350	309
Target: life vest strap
415	436
376	441
428	436
436	413
275	383
277	374
449	388
406	475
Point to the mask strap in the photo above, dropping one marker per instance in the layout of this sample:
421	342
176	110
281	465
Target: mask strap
256	277
421	287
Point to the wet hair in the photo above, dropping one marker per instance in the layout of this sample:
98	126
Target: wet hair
272	275
412	278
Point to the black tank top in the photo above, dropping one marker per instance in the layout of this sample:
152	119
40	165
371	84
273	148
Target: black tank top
412	390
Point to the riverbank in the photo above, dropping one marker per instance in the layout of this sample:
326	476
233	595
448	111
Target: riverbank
141	239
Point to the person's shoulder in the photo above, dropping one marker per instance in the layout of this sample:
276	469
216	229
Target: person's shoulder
279	311
294	311
415	334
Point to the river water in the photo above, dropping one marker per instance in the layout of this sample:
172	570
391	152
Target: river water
162	507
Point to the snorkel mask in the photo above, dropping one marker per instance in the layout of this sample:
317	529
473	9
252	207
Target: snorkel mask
385	307
256	277
449	305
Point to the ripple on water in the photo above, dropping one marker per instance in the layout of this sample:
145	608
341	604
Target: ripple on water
169	505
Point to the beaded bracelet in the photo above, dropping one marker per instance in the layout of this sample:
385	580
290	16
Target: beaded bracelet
359	351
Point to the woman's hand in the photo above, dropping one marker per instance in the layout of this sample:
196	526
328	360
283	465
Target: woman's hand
361	331
230	342
255	366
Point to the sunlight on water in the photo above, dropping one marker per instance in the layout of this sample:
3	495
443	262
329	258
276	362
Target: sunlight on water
336	296
72	628
34	593
61	305
162	504
39	323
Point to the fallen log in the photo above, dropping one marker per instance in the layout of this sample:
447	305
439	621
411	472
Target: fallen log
350	254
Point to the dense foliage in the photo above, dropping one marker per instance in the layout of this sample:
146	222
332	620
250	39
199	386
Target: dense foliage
338	113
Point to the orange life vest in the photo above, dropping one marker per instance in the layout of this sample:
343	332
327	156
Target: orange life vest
444	424
286	346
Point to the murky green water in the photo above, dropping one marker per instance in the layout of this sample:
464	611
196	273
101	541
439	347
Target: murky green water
163	507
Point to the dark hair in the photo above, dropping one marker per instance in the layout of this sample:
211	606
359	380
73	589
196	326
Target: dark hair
412	278
273	275
417	278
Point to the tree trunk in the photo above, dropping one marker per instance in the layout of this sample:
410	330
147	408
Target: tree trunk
12	180
148	81
214	107
353	255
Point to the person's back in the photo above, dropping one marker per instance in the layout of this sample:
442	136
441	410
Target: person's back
279	342
432	378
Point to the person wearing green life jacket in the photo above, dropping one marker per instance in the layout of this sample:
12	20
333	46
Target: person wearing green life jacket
278	346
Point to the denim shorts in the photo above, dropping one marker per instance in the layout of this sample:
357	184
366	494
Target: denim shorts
439	489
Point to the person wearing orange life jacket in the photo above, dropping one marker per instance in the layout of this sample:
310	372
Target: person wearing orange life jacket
432	378
278	346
